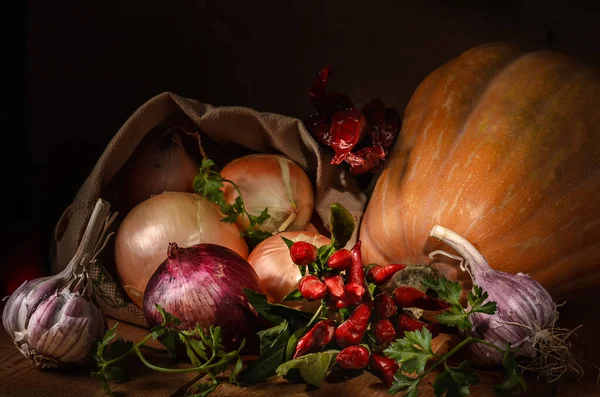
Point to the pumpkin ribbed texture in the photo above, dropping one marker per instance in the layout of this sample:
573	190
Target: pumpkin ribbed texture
503	148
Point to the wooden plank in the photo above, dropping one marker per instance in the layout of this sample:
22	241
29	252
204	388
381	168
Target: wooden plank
18	378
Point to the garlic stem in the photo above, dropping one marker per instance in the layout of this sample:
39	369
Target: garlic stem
91	235
476	261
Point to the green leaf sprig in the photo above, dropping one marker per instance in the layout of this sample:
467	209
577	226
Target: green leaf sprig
414	352
458	316
204	349
209	183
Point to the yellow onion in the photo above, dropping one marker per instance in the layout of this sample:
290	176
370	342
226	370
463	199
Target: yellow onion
274	182
160	163
277	273
145	233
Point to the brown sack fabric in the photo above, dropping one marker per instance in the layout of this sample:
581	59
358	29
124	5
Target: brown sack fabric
254	131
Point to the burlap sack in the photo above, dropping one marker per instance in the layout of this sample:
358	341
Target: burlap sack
258	132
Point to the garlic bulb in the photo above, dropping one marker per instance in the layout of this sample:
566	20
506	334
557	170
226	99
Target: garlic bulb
54	321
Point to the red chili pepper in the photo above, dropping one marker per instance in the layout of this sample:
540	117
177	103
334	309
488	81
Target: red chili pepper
312	288
412	297
347	129
351	331
384	332
336	304
384	122
335	286
340	259
353	357
386	367
318	126
303	253
384	305
316	339
327	101
369	159
406	323
355	282
381	274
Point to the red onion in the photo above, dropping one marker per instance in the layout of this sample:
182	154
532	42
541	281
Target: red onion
204	284
171	216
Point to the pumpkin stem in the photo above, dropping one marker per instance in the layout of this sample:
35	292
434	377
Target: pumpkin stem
474	259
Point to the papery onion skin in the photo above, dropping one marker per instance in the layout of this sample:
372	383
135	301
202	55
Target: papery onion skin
144	234
277	272
204	284
159	164
274	182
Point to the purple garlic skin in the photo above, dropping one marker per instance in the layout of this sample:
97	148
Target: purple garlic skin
54	322
524	308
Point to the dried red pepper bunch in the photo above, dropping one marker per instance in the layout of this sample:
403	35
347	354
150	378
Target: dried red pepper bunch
339	124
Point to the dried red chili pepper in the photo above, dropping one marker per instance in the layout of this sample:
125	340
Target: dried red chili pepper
412	297
381	274
340	259
384	332
346	131
335	286
318	126
369	159
353	357
389	129
384	305
303	253
312	288
406	323
319	336
351	331
385	366
355	282
384	123
327	101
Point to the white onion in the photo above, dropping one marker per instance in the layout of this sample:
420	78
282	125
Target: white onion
145	233
274	182
277	273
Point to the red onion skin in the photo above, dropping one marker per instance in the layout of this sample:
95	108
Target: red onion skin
204	284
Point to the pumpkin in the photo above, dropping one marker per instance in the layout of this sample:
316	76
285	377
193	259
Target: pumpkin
503	148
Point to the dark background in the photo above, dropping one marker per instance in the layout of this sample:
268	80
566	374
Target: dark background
78	69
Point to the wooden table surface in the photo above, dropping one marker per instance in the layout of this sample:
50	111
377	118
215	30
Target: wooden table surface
19	379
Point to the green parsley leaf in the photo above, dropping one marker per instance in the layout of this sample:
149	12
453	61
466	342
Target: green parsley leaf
455	317
413	351
295	295
287	241
276	313
403	382
268	336
512	375
476	297
168	318
260	218
313	367
455	381
446	290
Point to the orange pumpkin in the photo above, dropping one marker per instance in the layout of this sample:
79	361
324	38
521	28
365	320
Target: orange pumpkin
504	149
